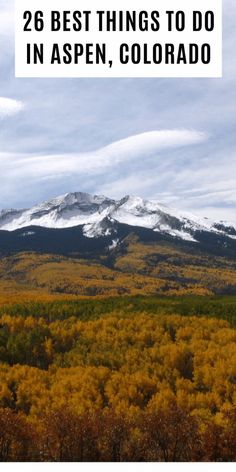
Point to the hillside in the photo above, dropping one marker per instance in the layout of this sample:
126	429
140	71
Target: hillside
133	268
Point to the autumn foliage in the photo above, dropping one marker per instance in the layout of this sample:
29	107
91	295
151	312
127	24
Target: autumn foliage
170	435
117	386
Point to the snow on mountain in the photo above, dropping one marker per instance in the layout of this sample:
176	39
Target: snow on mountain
97	214
66	211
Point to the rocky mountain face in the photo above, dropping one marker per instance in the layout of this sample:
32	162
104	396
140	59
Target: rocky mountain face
79	223
98	216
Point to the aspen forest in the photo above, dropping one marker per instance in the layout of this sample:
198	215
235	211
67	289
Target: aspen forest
118	379
124	355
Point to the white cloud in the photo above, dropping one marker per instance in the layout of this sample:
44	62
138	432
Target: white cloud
146	143
43	175
9	107
131	148
135	165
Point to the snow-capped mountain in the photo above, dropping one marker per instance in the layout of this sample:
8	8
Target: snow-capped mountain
98	216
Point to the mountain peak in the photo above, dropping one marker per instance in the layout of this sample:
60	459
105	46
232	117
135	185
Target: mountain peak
72	198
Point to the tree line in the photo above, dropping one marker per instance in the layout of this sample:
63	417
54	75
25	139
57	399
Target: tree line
166	435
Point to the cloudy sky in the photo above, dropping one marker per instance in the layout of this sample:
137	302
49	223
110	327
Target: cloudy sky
168	139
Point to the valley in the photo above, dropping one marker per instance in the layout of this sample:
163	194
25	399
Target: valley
117	333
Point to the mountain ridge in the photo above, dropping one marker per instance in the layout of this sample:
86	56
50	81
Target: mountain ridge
89	245
97	215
